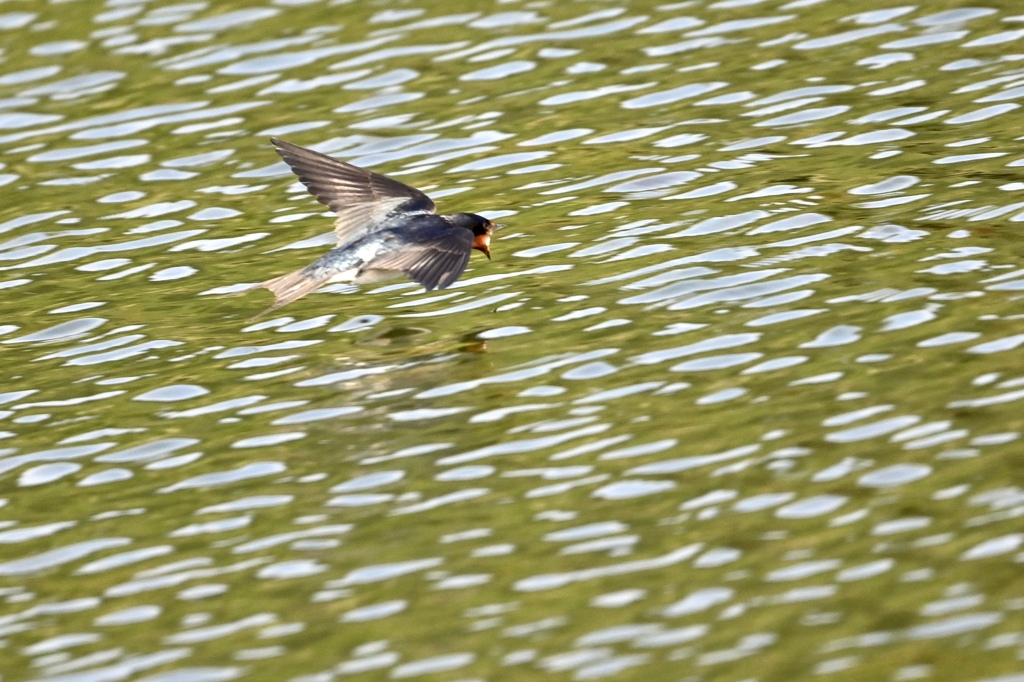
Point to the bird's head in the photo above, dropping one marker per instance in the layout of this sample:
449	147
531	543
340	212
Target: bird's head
481	227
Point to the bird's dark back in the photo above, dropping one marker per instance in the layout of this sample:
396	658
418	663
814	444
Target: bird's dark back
418	228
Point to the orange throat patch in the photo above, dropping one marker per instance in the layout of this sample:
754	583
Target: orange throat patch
482	242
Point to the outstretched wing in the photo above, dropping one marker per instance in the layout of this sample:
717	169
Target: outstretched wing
434	263
363	200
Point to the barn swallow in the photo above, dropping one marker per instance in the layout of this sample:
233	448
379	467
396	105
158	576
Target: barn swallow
384	229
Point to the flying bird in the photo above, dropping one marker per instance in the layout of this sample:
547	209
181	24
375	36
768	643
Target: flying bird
384	229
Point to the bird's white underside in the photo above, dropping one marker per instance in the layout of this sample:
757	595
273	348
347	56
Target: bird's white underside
365	276
365	253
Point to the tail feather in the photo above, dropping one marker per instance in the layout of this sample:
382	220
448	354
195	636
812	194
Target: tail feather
291	287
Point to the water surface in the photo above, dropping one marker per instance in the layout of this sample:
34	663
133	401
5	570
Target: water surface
738	398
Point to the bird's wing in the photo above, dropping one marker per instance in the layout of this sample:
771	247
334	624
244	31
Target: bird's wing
363	200
434	263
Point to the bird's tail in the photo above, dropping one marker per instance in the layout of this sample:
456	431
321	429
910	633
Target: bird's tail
293	286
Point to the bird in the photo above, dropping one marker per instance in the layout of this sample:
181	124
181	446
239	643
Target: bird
384	229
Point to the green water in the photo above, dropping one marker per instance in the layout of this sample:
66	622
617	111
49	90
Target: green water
738	397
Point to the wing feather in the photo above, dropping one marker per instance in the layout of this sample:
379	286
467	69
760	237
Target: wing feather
363	200
435	264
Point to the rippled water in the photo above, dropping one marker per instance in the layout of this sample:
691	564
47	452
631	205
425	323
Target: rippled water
739	397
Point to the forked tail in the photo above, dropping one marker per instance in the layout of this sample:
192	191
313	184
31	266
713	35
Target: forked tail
293	286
